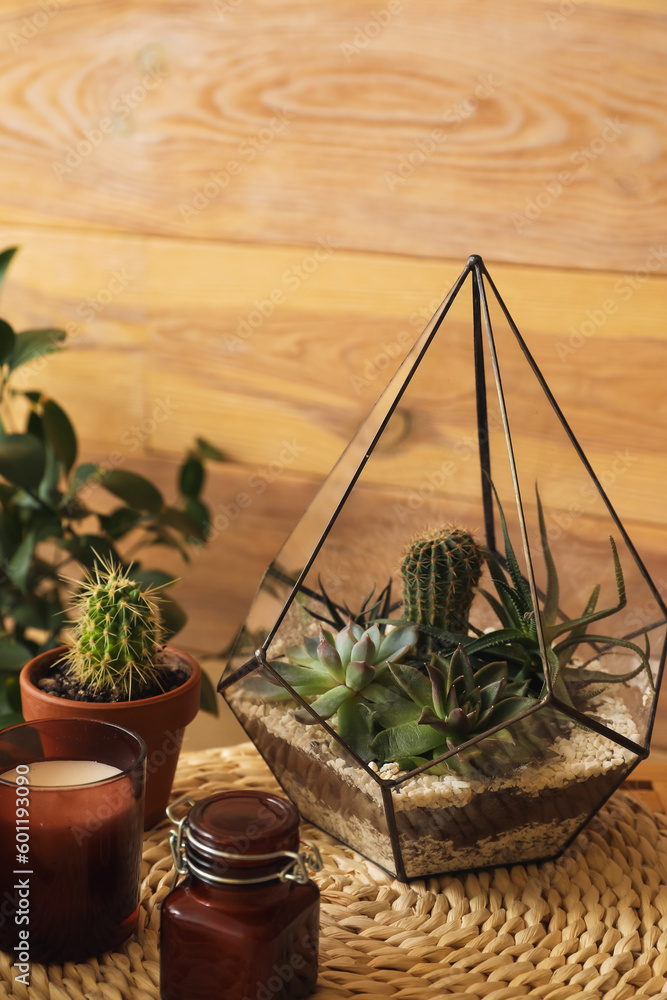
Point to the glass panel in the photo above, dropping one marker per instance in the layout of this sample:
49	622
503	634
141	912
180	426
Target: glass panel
596	577
326	784
421	528
516	799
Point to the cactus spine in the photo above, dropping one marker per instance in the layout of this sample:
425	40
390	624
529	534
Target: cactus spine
440	571
118	632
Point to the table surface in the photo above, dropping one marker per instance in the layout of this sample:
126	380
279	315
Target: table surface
591	925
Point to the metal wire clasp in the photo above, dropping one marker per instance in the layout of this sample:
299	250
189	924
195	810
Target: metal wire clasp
296	870
176	839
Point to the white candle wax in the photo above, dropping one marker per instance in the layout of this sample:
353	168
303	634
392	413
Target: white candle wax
57	773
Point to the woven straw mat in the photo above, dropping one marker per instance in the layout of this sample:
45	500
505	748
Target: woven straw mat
592	924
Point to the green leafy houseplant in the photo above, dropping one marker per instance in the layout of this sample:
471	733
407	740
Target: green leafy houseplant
49	523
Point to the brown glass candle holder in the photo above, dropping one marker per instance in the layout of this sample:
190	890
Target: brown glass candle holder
70	855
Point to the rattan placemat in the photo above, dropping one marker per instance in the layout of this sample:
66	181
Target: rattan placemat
590	925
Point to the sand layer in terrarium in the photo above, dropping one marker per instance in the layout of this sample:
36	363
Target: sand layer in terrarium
445	822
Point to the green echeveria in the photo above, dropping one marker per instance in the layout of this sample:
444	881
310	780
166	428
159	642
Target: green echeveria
348	673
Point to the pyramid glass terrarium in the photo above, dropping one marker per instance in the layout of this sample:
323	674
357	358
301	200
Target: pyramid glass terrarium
454	660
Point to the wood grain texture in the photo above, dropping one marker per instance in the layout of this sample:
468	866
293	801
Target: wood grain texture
173	354
324	122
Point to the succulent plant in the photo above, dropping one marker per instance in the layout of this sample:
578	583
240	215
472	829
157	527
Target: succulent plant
118	633
440	572
347	673
518	639
456	702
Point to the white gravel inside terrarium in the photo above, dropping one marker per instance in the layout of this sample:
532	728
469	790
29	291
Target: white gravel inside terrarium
579	755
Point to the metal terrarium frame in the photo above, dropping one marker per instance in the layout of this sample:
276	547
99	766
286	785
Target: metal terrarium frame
484	350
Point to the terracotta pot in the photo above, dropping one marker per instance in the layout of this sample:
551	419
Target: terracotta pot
160	721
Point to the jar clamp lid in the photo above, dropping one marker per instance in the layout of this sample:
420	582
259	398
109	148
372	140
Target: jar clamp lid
224	820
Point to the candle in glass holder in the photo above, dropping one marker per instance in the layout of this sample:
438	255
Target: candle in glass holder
71	825
58	773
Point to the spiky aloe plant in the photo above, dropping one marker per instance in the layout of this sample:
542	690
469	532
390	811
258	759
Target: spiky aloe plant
118	633
348	674
456	702
518	639
440	572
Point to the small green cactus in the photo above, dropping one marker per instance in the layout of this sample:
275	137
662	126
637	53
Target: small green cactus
118	633
440	571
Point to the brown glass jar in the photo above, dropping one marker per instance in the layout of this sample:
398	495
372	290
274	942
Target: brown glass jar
244	923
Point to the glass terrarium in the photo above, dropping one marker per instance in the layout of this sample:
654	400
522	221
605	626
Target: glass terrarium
454	659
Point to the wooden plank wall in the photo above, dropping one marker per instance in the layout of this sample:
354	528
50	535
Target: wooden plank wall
243	211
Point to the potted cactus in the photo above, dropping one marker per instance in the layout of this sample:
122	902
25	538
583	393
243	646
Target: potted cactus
118	669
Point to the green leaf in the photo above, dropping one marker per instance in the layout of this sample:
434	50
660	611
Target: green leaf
396	713
506	710
89	549
396	643
60	433
83	475
152	578
7	338
174	617
135	490
208	700
200	513
515	573
18	567
13	655
304	680
33	344
191	478
5	261
413	682
181	522
354	728
22	460
326	705
554	631
208	450
410	740
35	425
48	488
118	524
550	610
